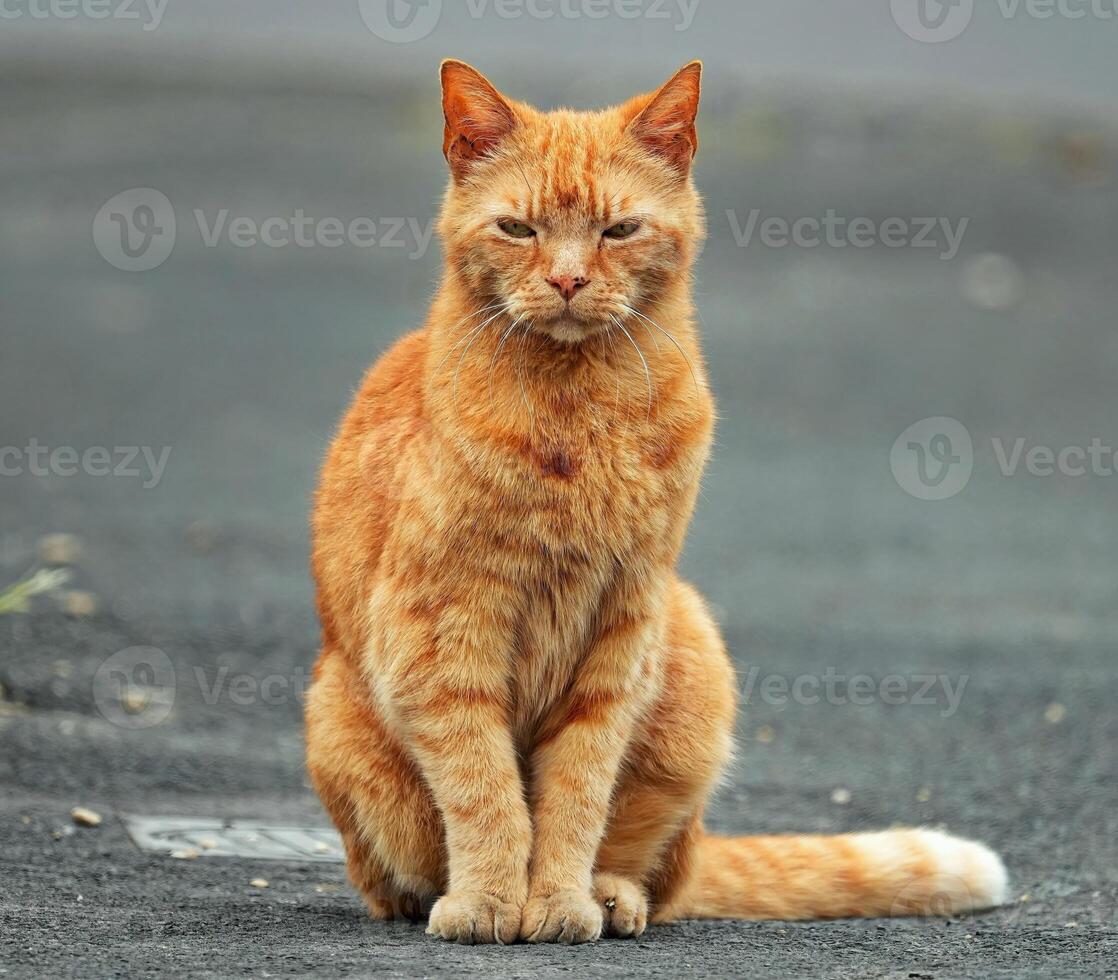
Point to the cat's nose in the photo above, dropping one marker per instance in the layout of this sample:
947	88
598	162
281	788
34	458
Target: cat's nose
568	285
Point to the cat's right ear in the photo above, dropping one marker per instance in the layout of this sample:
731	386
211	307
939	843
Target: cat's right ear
477	116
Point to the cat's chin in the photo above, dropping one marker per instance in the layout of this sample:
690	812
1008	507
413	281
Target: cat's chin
568	330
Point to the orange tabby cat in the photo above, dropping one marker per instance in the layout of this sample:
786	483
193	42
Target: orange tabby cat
519	706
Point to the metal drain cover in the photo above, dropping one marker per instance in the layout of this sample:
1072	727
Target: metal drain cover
214	837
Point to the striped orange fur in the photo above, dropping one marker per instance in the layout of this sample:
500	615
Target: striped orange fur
520	710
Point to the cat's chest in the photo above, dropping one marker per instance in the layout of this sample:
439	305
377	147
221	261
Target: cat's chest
588	508
560	596
596	514
592	482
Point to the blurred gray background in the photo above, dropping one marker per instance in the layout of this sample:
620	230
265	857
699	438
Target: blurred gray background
818	549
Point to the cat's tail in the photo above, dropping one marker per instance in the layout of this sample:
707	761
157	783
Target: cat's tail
891	872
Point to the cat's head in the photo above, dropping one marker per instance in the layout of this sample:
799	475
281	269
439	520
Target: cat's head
570	219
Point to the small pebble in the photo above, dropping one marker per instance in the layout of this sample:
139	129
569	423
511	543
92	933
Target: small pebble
186	854
84	817
203	536
1071	925
79	603
923	794
1084	157
134	701
841	796
321	847
993	282
1055	713
765	734
207	843
259	882
59	549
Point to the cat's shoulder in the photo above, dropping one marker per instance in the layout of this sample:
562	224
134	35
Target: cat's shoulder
398	372
405	358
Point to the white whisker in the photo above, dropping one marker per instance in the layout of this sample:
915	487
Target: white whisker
520	376
497	352
469	333
617	374
457	370
690	365
644	361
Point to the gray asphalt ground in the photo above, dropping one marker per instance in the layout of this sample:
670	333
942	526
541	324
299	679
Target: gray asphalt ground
241	359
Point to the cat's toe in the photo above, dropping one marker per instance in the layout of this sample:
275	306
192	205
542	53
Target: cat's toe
624	906
474	917
567	916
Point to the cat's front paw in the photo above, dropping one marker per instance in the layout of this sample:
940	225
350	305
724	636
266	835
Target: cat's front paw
567	916
474	917
624	905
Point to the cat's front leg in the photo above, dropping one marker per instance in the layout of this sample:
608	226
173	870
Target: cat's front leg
575	767
445	685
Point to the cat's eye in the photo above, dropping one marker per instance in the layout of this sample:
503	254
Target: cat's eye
623	229
516	229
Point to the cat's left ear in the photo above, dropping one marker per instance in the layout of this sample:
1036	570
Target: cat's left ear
666	126
477	116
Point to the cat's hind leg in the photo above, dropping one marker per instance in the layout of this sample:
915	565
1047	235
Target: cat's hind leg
382	893
387	819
